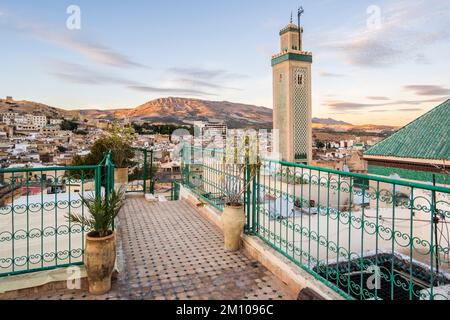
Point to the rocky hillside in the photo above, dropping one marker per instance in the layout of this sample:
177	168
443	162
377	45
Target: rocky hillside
185	111
24	106
181	111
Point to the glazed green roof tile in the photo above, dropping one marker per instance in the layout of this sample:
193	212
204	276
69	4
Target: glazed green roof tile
292	56
427	137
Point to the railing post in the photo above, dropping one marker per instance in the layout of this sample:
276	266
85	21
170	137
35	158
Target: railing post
151	173
109	174
145	171
255	193
98	181
248	197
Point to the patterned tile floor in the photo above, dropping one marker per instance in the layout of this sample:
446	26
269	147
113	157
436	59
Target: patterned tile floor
167	250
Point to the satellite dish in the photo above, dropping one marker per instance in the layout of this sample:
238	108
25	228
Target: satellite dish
346	168
394	176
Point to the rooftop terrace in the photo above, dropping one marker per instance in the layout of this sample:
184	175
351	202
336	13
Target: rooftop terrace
167	250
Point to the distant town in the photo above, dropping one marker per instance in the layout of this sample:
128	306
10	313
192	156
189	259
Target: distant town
30	137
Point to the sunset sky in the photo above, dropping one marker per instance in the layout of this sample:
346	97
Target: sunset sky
129	52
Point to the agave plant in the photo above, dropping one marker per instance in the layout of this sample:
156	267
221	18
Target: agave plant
236	162
103	210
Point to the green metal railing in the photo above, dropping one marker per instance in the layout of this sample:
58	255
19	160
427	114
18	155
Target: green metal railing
366	237
35	233
140	171
175	191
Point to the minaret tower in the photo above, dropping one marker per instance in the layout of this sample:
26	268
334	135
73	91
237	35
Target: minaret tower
291	69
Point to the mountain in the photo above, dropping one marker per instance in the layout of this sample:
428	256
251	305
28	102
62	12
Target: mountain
329	121
24	106
186	111
181	111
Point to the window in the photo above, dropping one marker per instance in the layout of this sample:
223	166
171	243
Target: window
281	77
300	79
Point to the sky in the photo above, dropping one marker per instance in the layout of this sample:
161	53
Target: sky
378	62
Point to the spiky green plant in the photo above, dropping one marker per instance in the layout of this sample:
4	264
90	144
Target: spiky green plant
103	210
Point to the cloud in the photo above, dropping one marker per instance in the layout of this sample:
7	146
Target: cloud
76	73
206	74
195	77
341	105
91	49
330	74
175	91
355	106
428	90
405	33
205	84
398	110
380	98
79	74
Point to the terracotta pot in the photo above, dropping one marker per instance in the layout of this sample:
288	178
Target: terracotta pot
233	220
99	260
120	176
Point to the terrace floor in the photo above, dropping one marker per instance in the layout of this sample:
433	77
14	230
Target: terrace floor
166	250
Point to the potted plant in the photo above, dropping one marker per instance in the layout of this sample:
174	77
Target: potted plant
100	250
119	139
233	216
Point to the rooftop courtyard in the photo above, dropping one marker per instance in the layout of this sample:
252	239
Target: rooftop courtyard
167	250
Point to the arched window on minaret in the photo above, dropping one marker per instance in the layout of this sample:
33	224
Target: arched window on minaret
299	79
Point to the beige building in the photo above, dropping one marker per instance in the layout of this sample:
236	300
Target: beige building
292	96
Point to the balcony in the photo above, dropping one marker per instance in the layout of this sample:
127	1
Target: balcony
344	235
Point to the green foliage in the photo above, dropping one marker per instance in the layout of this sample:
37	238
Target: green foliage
70	125
103	210
81	132
159	128
138	173
239	176
320	144
118	139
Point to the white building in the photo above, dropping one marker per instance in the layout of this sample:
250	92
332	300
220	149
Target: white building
39	120
214	131
55	121
8	117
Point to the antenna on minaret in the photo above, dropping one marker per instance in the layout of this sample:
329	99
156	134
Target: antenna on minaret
299	13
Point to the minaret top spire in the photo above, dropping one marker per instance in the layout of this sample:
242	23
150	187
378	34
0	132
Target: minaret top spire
299	13
291	18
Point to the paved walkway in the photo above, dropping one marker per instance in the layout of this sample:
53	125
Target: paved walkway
166	250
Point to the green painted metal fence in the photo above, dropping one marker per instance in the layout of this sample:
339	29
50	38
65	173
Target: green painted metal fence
366	237
35	233
140	171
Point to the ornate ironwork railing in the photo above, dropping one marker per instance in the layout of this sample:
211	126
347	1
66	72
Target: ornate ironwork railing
365	236
35	233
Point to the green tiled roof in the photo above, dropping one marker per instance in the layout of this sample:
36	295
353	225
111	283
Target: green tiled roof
292	56
427	137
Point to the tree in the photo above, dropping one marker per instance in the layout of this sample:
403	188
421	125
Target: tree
320	144
119	140
69	125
